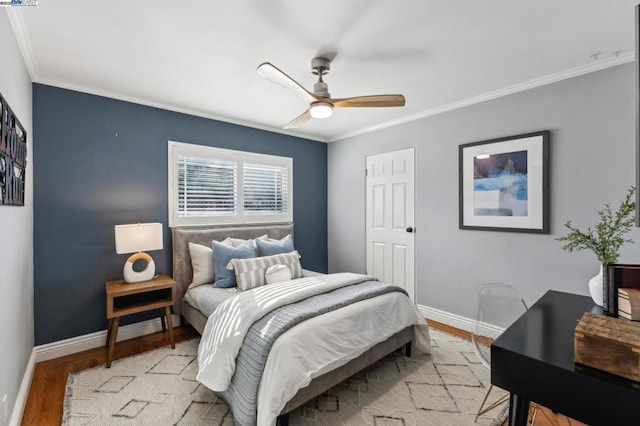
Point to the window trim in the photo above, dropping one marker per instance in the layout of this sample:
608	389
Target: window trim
177	149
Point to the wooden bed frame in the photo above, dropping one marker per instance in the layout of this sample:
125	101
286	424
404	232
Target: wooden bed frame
182	274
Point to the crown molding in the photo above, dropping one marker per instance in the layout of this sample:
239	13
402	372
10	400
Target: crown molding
15	18
596	65
169	107
17	23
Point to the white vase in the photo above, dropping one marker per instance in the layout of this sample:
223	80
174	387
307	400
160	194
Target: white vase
596	288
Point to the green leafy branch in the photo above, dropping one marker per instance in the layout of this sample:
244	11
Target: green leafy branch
606	237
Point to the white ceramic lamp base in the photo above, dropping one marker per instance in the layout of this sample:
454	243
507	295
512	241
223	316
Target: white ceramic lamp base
146	274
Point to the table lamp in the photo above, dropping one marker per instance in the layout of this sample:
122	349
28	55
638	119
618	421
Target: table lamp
136	238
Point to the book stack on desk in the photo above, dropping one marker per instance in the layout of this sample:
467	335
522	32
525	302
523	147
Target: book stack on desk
629	303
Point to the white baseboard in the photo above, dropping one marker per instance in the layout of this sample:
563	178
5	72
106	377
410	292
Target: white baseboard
459	322
97	339
453	320
23	392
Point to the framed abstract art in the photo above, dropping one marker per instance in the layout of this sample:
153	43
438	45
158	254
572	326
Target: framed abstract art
504	184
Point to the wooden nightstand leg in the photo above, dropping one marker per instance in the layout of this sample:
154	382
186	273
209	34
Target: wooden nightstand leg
167	313
164	324
109	328
112	340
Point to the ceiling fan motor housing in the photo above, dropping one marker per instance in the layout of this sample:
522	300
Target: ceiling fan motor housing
321	89
320	67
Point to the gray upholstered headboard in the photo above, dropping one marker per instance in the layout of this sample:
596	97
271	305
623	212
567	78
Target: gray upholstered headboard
182	271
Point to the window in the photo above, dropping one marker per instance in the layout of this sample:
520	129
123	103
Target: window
220	186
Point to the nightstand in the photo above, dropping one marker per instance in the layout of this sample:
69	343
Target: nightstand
130	298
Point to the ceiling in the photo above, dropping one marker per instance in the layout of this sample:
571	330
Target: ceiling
200	56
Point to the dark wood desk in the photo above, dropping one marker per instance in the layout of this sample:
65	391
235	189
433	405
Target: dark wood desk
533	360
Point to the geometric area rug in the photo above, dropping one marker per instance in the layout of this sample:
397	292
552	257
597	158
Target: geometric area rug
159	388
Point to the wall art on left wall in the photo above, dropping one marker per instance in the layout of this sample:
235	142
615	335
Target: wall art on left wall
13	157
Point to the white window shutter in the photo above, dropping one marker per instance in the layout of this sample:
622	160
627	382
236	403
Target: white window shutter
266	189
209	186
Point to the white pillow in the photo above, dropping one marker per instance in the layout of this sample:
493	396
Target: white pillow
202	264
277	273
250	273
235	242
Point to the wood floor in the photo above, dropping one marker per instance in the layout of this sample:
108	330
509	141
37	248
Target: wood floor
46	395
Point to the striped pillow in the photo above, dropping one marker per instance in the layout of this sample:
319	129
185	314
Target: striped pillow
250	273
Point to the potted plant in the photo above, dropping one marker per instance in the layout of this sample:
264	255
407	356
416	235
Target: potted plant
604	239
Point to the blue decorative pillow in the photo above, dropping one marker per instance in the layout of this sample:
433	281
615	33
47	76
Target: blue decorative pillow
222	254
270	248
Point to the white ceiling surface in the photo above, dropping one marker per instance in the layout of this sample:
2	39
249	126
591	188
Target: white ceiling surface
200	56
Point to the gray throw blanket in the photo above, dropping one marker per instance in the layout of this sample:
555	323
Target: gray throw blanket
242	392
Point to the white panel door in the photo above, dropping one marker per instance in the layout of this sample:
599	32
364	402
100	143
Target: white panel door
390	218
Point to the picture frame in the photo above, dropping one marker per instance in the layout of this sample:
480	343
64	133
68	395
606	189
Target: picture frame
504	184
13	157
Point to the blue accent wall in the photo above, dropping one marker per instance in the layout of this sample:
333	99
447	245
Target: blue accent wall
99	162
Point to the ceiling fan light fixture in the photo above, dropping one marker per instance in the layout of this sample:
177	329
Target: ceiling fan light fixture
321	104
321	110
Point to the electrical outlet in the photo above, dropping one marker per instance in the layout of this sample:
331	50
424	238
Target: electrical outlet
5	411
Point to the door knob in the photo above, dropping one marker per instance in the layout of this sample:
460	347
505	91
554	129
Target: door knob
409	229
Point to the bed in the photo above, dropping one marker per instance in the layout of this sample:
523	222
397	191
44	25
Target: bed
345	366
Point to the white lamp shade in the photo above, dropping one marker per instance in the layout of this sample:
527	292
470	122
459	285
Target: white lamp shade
138	237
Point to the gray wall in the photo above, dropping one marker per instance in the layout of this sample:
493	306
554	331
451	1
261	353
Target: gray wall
16	233
592	124
101	162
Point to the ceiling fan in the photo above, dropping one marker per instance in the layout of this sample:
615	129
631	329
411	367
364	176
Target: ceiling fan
320	102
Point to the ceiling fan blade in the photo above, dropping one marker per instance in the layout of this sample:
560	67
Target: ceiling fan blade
299	120
271	72
369	101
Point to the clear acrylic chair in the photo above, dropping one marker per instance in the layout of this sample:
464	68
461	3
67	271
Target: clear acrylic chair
498	306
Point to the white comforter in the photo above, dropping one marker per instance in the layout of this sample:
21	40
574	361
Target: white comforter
307	350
